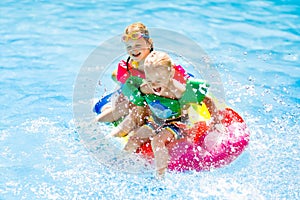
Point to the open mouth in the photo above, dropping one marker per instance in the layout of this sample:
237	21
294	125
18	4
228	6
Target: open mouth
157	89
136	55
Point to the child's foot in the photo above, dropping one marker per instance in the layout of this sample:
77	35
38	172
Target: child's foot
160	173
117	132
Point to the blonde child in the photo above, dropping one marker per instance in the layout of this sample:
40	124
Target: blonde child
168	101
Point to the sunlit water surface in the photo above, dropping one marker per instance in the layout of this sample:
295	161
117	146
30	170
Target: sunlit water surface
254	45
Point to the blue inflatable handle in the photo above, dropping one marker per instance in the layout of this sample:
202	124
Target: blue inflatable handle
191	75
106	99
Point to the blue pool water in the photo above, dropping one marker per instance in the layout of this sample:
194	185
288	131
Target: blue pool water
254	45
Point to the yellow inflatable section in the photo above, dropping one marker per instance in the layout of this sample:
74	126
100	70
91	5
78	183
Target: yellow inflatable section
198	113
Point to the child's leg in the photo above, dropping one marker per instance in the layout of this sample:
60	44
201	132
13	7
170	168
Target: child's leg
141	136
119	108
160	150
134	119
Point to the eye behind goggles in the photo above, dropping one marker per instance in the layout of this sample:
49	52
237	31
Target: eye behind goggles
133	36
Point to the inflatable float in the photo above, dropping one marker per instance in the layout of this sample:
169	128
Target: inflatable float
201	150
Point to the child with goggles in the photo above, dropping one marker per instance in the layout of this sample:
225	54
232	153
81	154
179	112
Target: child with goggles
138	45
133	36
168	102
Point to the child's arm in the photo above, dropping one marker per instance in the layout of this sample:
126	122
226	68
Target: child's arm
133	120
184	113
113	113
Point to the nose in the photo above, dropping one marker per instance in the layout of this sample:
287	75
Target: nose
150	84
135	50
154	85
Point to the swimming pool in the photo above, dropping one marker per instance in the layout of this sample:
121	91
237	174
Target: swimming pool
254	46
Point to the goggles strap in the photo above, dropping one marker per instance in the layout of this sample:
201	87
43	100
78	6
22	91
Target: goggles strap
127	64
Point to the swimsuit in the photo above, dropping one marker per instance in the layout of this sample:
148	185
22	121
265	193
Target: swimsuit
166	112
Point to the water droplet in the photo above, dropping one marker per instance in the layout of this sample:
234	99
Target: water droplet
268	107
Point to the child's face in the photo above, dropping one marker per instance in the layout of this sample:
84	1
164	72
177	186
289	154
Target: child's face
138	49
158	79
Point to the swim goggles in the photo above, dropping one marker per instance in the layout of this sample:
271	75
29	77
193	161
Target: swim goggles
133	36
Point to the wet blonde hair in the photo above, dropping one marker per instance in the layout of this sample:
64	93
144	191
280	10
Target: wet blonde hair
140	28
137	27
158	59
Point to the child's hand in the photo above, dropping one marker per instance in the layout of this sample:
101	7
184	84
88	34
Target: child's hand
216	125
